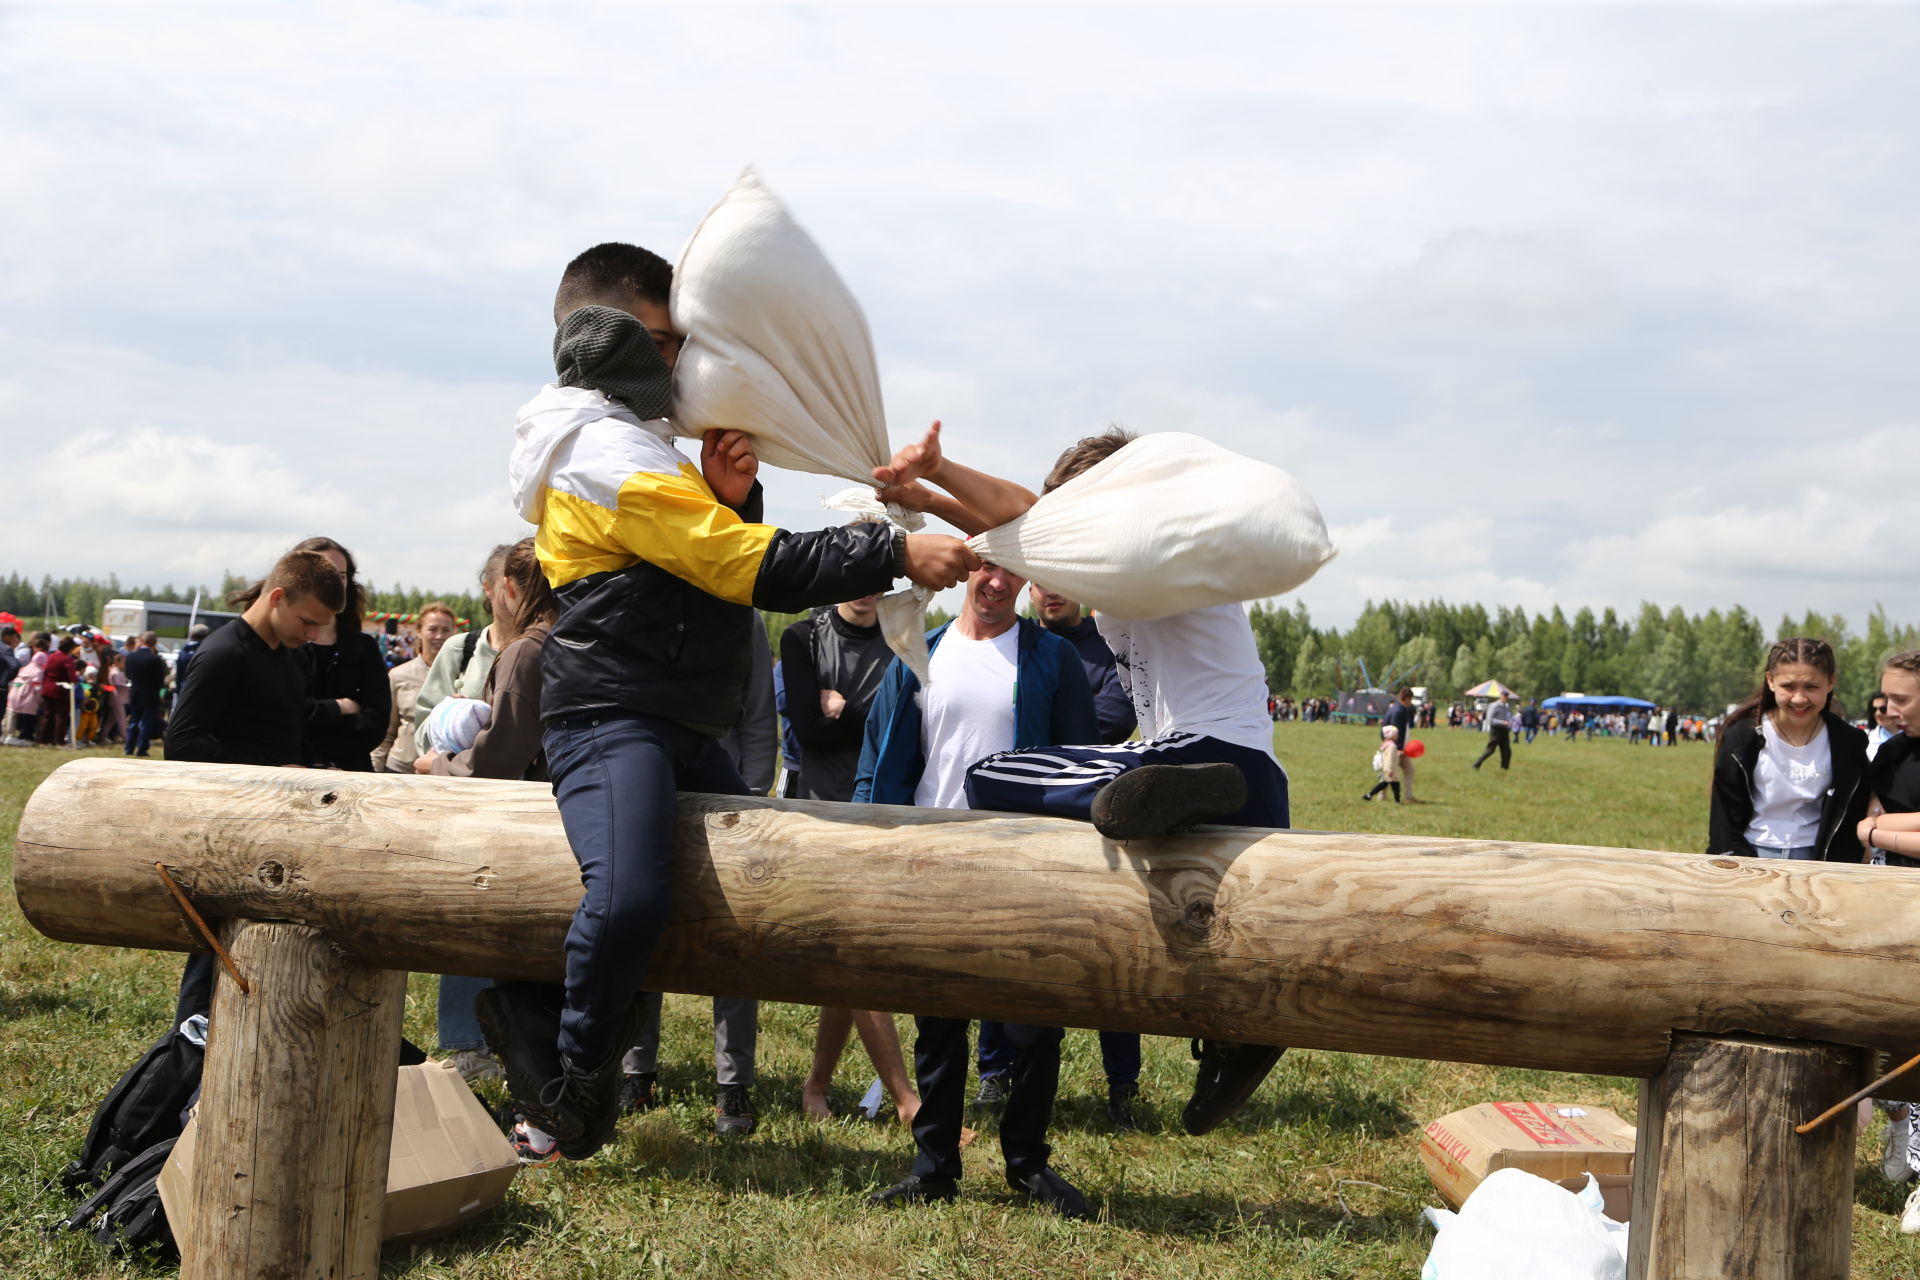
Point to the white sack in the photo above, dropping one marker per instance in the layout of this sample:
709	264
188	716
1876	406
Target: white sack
1169	523
1518	1226
776	345
454	723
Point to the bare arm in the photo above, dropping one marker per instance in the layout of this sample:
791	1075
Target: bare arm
979	501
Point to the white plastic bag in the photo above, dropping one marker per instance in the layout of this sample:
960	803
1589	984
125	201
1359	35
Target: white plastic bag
454	723
1519	1226
1169	523
778	347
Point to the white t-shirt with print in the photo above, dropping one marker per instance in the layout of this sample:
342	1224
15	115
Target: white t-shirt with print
1194	672
1789	785
966	712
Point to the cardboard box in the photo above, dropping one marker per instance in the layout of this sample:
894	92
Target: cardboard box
1558	1141
449	1162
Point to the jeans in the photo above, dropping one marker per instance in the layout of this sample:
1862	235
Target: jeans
940	1063
459	1025
616	776
1800	853
143	724
1119	1053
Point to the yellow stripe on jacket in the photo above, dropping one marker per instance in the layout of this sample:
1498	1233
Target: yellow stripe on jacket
616	495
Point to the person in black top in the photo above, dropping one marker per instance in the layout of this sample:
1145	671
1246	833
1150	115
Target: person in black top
348	695
1893	775
1400	716
1065	618
831	664
247	700
146	675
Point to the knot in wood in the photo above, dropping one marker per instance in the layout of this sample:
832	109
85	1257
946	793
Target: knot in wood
272	876
1198	918
329	797
759	871
1725	864
729	819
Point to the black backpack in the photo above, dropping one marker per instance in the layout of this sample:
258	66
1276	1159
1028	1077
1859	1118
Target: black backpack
146	1108
125	1215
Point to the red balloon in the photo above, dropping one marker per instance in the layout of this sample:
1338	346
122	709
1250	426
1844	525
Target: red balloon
1416	749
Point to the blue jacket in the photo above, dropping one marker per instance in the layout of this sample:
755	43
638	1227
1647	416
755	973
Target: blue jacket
1052	706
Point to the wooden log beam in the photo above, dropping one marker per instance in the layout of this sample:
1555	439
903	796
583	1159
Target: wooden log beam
1548	956
296	1113
1724	1189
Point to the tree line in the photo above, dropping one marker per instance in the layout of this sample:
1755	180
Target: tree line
82	599
1695	662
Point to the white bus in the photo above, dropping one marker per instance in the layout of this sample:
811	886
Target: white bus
125	619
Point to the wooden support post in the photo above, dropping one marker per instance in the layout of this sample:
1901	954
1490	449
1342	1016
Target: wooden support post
296	1113
1723	1188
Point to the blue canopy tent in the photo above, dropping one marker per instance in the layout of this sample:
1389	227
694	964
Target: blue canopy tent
1611	701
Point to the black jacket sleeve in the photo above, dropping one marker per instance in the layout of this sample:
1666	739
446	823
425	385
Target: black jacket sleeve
824	566
1731	807
1850	791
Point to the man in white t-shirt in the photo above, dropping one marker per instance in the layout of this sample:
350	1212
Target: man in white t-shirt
1199	692
998	681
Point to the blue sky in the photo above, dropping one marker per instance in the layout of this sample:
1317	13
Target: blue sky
1546	305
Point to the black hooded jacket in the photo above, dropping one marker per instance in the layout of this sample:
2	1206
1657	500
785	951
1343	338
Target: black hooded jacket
1840	813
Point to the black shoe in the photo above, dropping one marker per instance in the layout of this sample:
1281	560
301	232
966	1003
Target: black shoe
639	1091
589	1098
914	1189
1156	798
993	1095
1120	1106
732	1112
522	1022
1053	1191
1227	1077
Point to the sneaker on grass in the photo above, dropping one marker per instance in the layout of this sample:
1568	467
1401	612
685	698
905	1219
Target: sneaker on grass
732	1111
993	1095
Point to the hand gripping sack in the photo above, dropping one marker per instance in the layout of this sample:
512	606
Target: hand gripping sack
1171	522
778	347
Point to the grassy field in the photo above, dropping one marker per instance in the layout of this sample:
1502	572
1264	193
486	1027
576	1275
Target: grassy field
1278	1193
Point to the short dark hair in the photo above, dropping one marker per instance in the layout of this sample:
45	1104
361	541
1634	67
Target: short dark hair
151	639
9	631
308	575
612	275
1084	453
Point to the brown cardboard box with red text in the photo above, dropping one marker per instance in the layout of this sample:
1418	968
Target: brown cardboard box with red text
448	1165
1557	1141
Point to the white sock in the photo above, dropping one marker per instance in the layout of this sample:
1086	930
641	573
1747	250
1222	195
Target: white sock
539	1139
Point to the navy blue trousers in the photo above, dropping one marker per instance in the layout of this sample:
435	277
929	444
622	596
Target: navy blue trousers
1062	781
143	725
940	1065
616	776
1119	1053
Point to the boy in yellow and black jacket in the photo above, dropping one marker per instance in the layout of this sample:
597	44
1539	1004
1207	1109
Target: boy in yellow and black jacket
658	567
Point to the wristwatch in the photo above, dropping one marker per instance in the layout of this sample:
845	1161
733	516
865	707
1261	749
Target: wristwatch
899	560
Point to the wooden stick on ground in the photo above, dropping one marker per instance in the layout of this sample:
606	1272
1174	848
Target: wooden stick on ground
1851	1099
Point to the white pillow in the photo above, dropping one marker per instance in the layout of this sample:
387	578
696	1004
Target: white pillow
1170	522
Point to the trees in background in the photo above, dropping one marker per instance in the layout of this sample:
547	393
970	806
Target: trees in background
1697	662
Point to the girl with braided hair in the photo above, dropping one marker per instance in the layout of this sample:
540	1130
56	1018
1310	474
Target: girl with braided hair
1789	780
